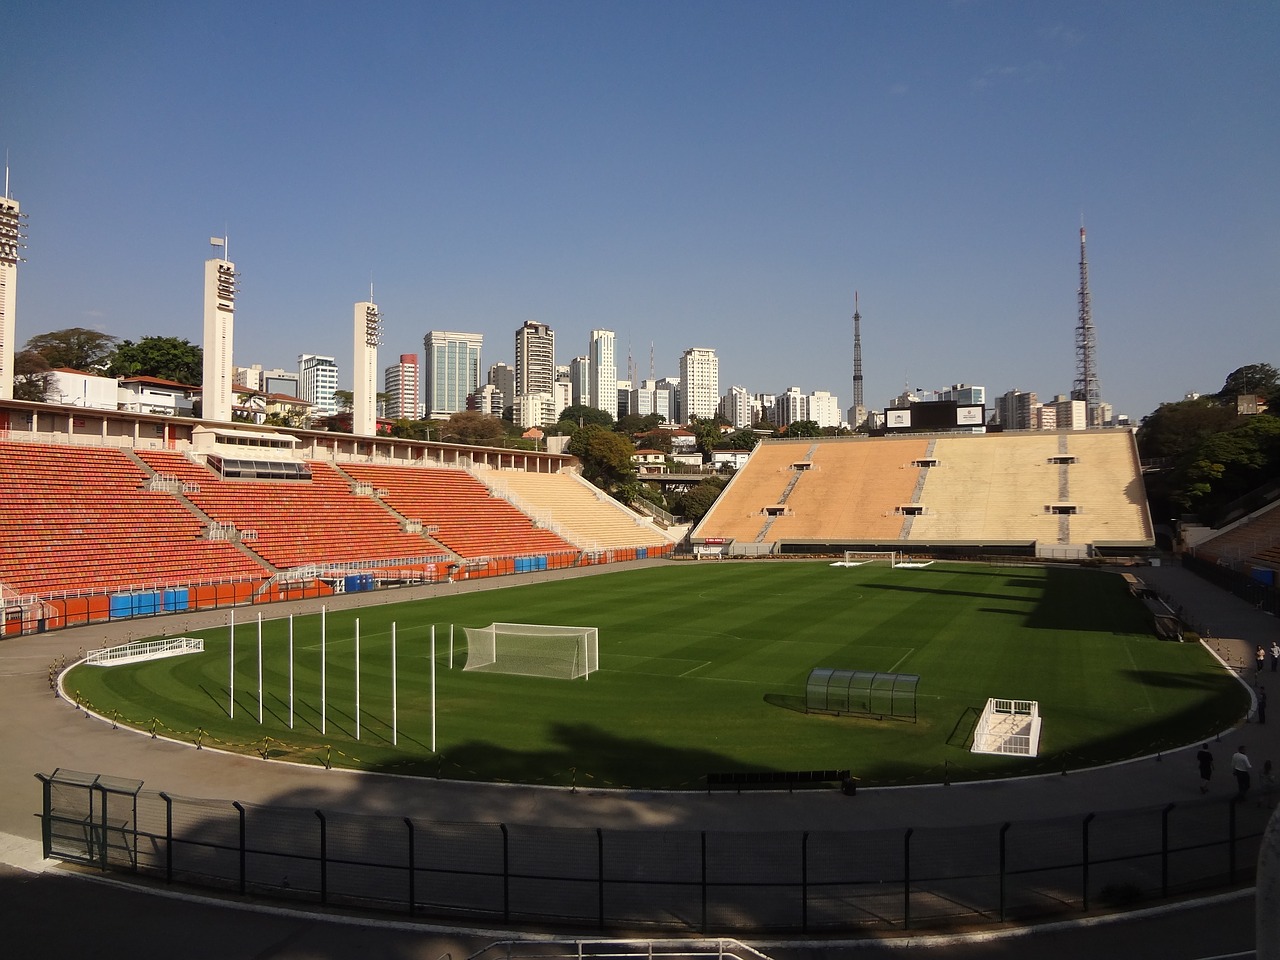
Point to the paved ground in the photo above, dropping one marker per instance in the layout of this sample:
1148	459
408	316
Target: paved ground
42	733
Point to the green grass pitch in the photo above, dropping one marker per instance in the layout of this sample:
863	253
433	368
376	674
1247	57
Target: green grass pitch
702	668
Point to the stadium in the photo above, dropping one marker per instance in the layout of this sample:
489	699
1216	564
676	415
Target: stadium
124	528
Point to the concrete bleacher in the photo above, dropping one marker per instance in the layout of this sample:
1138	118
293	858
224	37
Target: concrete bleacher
1058	490
580	512
1253	541
459	511
79	518
298	522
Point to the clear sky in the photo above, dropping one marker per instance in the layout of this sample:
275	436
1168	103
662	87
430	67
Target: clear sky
698	173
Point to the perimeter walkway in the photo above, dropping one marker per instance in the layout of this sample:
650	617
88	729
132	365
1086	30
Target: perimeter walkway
42	732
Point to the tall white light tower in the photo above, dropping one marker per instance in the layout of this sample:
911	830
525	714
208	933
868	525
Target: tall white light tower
11	238
220	284
364	395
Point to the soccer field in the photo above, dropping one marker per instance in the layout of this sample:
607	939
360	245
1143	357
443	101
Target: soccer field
702	669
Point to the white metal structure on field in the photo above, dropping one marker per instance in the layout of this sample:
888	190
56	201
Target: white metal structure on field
1009	727
145	650
858	558
534	650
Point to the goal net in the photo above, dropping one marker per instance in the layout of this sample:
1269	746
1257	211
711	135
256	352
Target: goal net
534	650
858	558
1009	727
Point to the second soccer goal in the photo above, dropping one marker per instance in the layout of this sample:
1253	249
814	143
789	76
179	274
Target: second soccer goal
534	650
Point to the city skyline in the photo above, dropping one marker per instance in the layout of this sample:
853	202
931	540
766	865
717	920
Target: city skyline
719	174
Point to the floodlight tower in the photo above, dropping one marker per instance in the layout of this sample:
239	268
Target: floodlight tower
1086	386
11	237
364	398
859	408
220	284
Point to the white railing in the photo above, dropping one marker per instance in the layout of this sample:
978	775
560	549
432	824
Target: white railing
145	650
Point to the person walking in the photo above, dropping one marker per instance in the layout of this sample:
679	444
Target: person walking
1260	656
1275	654
1205	759
1241	766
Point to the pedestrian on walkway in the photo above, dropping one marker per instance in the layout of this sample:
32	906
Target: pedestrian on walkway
1241	766
1275	654
1260	656
1262	704
1205	759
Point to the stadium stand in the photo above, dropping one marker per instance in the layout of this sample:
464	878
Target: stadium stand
459	511
79	518
578	511
1253	541
298	522
1068	491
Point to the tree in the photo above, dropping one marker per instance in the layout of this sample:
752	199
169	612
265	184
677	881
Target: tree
694	504
740	440
474	427
606	458
169	358
803	428
633	423
344	400
1229	465
581	415
32	377
1175	429
1259	379
75	347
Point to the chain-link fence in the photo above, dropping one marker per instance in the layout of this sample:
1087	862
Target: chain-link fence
685	880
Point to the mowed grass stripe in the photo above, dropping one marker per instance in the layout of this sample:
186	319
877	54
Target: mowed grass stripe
703	666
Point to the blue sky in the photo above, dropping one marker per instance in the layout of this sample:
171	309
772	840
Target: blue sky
717	174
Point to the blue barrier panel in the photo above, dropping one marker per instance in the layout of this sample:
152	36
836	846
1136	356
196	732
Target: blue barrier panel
642	553
1264	575
121	605
351	583
146	604
540	563
176	600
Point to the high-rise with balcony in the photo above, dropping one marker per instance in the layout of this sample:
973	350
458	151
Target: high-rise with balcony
451	370
699	384
535	358
603	372
403	387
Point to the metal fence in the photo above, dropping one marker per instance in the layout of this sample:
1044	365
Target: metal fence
681	880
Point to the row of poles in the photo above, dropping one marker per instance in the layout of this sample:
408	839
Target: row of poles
231	709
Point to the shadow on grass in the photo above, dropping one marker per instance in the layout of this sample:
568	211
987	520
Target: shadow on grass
787	701
962	733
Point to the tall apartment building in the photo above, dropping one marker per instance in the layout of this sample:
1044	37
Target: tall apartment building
503	376
451	370
603	373
791	405
1015	410
624	398
535	358
699	383
653	396
487	400
580	381
737	408
403	386
964	393
824	408
317	380
1070	414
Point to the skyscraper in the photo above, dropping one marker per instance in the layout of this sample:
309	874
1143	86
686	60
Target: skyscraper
535	358
452	370
603	372
402	383
503	376
317	380
699	384
10	243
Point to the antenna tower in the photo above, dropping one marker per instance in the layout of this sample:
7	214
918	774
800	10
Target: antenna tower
857	358
1086	386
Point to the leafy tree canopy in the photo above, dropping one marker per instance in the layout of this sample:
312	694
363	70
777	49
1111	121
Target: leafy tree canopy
474	427
345	400
1229	465
740	440
803	428
1176	429
76	347
169	358
633	423
582	415
1261	379
31	377
605	456
693	506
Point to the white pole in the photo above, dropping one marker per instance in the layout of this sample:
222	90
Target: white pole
232	662
395	739
357	678
451	646
291	671
322	671
433	688
259	669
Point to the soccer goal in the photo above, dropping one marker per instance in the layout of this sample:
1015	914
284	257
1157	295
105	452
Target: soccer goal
534	650
858	558
1009	727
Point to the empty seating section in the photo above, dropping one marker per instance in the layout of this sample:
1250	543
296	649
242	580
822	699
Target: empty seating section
1255	540
78	518
990	489
738	514
460	511
589	520
852	491
1107	488
1076	487
298	522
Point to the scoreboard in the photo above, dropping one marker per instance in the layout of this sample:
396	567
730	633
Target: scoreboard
935	415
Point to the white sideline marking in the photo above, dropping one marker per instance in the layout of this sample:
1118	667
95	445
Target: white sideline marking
23	853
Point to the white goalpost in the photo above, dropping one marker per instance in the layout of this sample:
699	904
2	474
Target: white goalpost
534	650
858	558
